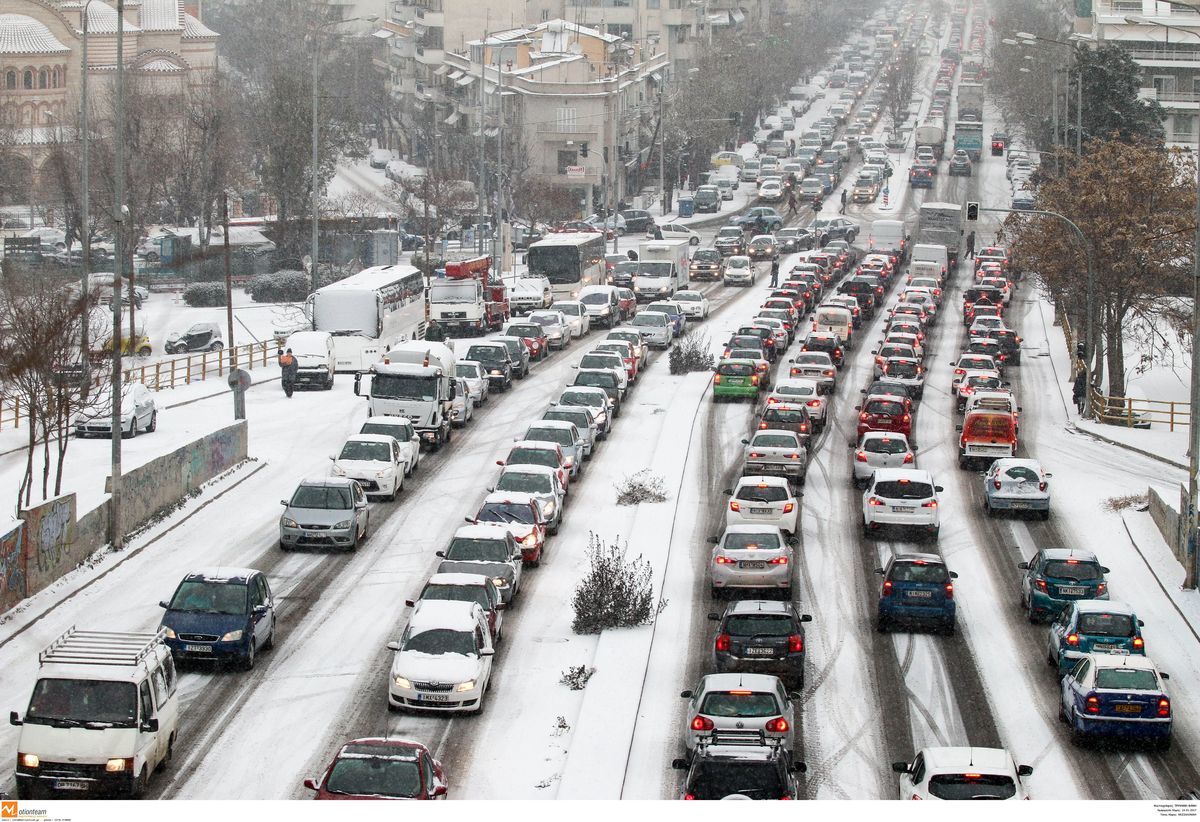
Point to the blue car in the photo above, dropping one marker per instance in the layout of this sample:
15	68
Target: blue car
1093	626
916	589
1056	577
220	615
1117	697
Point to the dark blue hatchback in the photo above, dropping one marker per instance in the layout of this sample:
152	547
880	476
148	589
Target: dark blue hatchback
220	615
917	589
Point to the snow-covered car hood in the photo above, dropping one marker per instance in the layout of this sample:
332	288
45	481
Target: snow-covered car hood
360	468
417	666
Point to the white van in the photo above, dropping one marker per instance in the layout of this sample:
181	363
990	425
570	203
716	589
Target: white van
103	716
932	253
835	319
315	358
890	237
603	305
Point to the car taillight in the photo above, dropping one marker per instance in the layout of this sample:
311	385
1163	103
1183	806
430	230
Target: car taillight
930	504
996	484
828	373
794	456
1164	707
702	723
864	416
754	455
958	372
860	456
762	425
803	427
887	588
1041	585
717	379
875	501
1101	589
1139	644
1072	639
734	505
1091	705
907	418
722	642
721	560
914	796
687	796
779	725
788	507
949	589
795	644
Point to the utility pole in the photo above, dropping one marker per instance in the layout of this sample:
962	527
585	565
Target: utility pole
85	220
662	147
612	156
117	530
233	358
482	143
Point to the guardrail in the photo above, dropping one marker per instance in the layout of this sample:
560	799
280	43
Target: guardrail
173	373
1133	412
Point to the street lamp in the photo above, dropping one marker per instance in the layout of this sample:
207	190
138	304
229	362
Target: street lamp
316	188
84	186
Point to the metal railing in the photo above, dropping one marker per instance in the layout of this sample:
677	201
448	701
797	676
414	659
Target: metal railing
164	374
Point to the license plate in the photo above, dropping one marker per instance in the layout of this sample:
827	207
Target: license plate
198	649
752	565
1071	590
433	697
311	534
760	652
903	509
762	510
1018	505
1106	648
70	785
921	594
1128	709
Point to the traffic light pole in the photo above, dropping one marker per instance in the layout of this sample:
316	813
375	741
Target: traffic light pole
1090	311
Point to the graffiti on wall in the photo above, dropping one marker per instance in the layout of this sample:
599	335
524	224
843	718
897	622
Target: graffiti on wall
49	531
12	567
208	457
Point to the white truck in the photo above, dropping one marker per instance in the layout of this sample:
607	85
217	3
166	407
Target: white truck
932	135
414	380
527	293
662	269
469	299
941	224
970	101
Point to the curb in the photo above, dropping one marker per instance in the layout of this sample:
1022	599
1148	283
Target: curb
1162	587
1090	433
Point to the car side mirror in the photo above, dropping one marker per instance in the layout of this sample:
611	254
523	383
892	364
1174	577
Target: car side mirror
679	764
1024	770
1047	476
953	575
1103	570
441	554
500	462
311	784
858	408
686	694
1024	566
408	603
162	603
487	652
150	726
259	610
714	540
938	488
958	428
283	502
14	718
900	767
714	616
1164	674
1141	624
393	646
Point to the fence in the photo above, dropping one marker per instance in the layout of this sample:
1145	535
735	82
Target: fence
172	373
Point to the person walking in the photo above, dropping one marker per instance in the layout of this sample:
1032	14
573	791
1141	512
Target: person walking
791	203
971	245
1079	392
775	272
434	331
842	210
288	369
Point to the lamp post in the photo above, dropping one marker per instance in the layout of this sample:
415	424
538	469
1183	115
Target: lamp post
117	533
85	232
316	138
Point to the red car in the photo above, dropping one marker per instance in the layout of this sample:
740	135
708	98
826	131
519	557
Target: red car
884	414
628	356
534	337
374	768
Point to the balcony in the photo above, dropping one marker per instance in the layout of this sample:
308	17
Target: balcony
431	18
1166	56
1172	99
551	132
430	56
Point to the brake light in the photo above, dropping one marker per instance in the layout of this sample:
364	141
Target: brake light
887	588
949	588
762	425
788	507
996	484
794	456
907	418
958	372
702	723
1072	639
1101	588
754	455
795	644
717	379
828	373
1041	585
734	505
1164	707
864	416
874	501
1092	705
814	403
777	726
723	642
754	379
803	427
1139	644
779	561
860	456
931	504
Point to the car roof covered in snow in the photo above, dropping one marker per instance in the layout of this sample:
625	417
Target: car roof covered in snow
431	614
221	574
482	530
992	760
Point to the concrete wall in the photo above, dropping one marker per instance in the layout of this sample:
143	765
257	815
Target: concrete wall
51	540
1169	523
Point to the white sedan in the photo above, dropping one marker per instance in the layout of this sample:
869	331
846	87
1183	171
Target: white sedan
962	773
476	378
374	460
557	326
678	231
578	321
692	303
763	501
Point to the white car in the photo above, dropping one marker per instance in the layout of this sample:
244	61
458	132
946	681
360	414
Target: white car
576	313
139	413
904	498
540	482
462	407
802	390
374	460
1014	484
380	157
739	270
400	429
475	376
770	190
693	304
556	325
962	773
737	702
880	449
763	501
443	660
655	328
678	231
815	365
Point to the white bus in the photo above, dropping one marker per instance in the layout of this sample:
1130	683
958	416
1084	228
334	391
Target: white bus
570	262
369	313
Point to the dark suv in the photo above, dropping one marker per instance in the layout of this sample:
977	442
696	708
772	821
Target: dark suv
740	765
916	588
496	361
761	636
637	220
730	240
822	341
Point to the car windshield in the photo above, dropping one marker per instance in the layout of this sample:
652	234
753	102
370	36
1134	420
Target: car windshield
790	415
594	299
773	441
204	596
367	451
1073	570
971	786
404	387
506	512
487	353
562	436
525	483
688	296
763	493
597	361
513	331
327	497
580	419
1022	472
1126	679
737	541
441	641
547	322
479	550
885	445
904	370
717	779
402	432
885	408
739	704
756	625
1100	624
796	390
812	359
582	398
652	319
600	379
994	426
735	369
533	456
903	489
728	231
82	701
706	257
919	572
358	775
458	593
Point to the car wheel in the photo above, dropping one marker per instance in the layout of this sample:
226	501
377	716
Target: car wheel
270	643
153	426
1078	737
718	593
138	789
329	382
882	624
1045	515
1050	660
144	351
216	346
248	661
395	490
283	546
1163	745
987	507
133	430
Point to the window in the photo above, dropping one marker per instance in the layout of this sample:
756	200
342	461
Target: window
918	769
564	118
10	80
43	79
653	4
27	79
54	75
566	157
147	704
169	673
1182	127
160	686
1164	84
679	34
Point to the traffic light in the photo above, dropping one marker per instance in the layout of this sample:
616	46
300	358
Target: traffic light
583	149
736	118
972	212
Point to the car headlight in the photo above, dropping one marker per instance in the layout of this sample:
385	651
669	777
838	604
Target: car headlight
343	524
569	462
338	470
500	582
469	685
168	632
232	636
115	765
385	472
30	761
551	507
401	682
531	539
496	372
288	523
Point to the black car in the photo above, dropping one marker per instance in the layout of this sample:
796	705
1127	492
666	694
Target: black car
866	291
730	240
738	763
1010	343
761	636
637	220
763	247
706	265
763	334
794	239
623	274
829	343
835	228
496	361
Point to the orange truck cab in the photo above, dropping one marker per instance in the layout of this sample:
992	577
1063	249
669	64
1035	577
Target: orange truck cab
986	435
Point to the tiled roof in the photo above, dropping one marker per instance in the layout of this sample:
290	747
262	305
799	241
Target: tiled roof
160	64
161	15
102	19
24	35
193	28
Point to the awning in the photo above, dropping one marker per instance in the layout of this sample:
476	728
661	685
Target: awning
452	119
441	70
454	75
383	34
466	81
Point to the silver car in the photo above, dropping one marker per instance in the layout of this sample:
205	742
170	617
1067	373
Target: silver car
603	408
775	453
655	328
578	321
815	365
880	449
584	420
751	556
476	377
802	390
539	482
739	270
324	512
750	704
486	548
554	323
565	435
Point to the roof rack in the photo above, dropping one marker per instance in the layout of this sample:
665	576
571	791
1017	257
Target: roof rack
742	738
101	647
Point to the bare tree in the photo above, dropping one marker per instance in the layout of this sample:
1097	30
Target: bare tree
898	88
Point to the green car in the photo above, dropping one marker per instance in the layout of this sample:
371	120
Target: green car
736	379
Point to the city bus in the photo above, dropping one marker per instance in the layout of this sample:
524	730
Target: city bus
571	262
369	312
